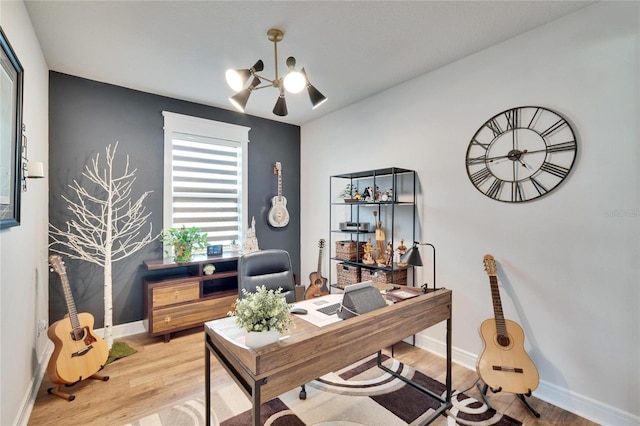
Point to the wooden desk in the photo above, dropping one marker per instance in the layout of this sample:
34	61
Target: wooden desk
311	351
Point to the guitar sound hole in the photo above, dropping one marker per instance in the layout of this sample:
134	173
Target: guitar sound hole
504	340
77	334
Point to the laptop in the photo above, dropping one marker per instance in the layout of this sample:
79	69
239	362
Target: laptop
324	310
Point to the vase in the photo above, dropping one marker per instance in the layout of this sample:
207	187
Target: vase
182	253
255	339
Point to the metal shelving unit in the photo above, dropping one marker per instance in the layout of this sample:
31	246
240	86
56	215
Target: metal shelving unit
393	200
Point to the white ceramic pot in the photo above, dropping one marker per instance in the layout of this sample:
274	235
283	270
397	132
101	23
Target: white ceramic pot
255	339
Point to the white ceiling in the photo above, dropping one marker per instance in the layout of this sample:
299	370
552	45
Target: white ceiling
350	49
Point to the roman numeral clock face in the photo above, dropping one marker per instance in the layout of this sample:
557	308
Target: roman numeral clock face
521	154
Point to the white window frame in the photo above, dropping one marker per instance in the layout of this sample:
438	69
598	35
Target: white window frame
179	124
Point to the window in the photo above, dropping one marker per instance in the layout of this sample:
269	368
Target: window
205	176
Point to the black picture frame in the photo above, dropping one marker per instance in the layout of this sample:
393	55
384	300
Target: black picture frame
11	98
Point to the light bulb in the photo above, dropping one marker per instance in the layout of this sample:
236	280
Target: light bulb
294	81
236	78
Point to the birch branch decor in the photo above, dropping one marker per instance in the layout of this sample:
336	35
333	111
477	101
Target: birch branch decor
107	224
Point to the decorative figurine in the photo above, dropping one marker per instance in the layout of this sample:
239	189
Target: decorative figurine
251	241
380	240
389	255
367	258
367	194
402	249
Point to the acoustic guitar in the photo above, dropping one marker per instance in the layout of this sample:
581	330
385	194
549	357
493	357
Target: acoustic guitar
318	284
278	214
504	364
78	352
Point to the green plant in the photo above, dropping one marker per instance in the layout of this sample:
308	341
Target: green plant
349	191
264	310
183	240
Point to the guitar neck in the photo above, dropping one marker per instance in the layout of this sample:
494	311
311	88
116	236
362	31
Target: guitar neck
319	262
497	306
279	185
71	306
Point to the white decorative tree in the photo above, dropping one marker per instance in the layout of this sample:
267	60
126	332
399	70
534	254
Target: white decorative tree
106	225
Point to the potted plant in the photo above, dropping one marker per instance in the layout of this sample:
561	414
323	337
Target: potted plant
184	240
209	269
263	315
350	193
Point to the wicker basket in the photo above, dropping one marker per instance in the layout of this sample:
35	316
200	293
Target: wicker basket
384	277
347	274
346	250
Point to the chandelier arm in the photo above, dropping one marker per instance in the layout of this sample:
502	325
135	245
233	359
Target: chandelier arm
262	87
273	82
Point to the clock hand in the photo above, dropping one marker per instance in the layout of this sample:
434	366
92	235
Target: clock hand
512	155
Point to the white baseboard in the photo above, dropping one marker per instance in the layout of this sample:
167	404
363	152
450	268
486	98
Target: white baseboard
121	330
575	403
581	405
36	380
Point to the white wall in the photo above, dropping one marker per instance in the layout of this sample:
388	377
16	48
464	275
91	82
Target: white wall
569	262
24	288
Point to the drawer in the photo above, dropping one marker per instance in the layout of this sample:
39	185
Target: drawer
165	320
175	293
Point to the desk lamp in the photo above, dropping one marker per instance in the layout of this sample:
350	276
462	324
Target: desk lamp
413	258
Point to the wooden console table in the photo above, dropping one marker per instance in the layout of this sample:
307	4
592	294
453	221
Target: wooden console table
179	296
310	351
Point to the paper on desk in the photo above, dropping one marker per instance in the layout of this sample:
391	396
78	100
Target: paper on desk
318	318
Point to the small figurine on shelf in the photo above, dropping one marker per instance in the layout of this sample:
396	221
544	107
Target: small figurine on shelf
368	253
377	195
402	249
251	241
380	238
367	194
389	255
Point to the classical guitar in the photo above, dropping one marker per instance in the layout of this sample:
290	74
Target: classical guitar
278	214
78	352
504	364
318	284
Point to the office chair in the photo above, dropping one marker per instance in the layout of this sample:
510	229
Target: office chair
272	269
269	268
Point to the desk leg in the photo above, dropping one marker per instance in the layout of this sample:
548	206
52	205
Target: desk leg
448	381
207	384
255	410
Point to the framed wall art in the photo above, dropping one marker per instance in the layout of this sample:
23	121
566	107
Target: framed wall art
11	92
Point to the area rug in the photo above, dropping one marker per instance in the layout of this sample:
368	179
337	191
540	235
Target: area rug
119	350
359	395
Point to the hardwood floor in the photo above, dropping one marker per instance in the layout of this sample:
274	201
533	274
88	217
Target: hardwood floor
165	374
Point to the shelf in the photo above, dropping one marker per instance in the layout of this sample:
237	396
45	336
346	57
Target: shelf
371	173
365	265
393	205
157	264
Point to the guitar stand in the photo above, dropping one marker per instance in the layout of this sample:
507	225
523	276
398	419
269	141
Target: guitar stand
71	397
521	397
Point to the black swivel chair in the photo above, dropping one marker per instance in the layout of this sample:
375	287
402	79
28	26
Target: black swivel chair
272	269
269	268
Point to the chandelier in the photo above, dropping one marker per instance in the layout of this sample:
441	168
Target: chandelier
294	81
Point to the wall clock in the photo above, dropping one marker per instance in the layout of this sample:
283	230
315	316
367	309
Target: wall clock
521	154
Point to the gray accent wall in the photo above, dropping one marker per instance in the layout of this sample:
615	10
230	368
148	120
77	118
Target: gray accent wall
86	116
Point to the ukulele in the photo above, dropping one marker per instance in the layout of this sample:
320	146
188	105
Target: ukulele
78	352
278	214
503	363
318	284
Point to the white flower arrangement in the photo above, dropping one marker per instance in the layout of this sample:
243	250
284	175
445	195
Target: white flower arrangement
264	310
